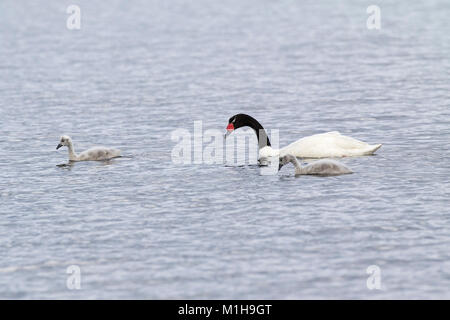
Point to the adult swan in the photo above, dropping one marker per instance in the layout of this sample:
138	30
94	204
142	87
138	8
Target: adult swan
322	145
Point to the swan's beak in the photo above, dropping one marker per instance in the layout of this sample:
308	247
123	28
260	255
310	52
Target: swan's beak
279	166
58	146
230	129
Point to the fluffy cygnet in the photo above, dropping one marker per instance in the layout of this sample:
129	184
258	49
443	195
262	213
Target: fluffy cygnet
96	153
324	167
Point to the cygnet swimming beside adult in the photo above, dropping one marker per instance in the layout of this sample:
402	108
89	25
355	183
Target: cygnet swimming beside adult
323	167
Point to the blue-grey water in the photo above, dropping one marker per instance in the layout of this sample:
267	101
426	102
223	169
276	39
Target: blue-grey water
143	227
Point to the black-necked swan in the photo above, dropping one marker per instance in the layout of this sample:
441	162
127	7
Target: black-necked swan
96	153
323	167
322	145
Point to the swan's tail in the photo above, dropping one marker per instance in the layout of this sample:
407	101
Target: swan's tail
371	149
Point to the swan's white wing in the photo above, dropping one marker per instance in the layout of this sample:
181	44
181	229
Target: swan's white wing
329	144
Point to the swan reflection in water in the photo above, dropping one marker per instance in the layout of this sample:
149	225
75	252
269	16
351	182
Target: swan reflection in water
69	165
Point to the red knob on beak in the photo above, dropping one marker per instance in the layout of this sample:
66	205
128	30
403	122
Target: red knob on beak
230	127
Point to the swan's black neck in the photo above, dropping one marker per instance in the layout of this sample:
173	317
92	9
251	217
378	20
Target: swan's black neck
244	120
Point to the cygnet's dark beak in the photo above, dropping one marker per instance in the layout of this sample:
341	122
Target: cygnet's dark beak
279	166
58	146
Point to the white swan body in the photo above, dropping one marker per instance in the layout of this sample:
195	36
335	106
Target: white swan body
322	145
92	154
323	167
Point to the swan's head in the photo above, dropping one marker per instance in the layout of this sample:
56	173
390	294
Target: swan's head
285	160
237	121
64	141
231	125
244	120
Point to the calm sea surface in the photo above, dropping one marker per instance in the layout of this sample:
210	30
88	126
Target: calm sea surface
144	227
